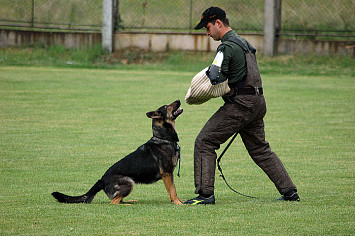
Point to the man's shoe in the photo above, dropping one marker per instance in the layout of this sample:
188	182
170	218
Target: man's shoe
201	200
292	196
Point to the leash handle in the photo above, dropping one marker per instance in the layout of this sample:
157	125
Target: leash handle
220	169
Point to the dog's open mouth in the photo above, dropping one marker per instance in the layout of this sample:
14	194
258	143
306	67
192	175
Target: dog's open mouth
177	112
176	109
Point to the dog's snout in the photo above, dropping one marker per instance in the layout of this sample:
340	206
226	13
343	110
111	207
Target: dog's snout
177	102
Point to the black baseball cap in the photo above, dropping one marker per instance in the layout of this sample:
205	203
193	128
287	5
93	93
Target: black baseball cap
212	13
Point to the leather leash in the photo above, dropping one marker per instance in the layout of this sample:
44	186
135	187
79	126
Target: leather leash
220	169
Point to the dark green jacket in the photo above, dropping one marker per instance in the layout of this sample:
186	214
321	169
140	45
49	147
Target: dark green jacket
233	65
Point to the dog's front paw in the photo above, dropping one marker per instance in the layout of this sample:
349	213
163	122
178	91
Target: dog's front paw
177	202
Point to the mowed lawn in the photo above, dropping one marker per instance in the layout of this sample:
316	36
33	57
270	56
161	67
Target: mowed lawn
61	128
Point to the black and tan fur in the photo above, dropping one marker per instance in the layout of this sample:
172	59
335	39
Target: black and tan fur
154	160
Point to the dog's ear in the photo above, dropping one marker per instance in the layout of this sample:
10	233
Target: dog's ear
154	115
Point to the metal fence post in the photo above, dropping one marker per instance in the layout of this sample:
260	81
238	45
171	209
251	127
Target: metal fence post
107	25
269	27
190	20
278	18
116	21
33	14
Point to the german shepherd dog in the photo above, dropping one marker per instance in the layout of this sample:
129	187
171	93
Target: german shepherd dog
154	160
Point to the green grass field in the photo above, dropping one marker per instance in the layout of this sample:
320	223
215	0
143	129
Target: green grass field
62	127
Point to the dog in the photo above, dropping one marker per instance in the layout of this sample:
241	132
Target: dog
154	160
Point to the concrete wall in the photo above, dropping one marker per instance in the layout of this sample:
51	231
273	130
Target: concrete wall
28	38
174	41
170	41
320	47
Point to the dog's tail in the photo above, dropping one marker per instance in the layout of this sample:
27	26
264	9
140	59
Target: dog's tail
86	198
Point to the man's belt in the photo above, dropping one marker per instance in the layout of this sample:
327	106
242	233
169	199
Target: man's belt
249	91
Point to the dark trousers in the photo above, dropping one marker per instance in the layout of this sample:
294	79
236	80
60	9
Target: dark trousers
244	116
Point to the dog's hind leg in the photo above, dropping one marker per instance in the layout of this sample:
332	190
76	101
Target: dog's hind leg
168	180
116	200
118	188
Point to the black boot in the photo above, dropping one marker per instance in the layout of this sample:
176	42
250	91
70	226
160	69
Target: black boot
290	196
201	200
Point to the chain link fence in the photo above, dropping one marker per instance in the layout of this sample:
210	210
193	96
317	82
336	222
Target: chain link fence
298	16
185	14
333	17
52	14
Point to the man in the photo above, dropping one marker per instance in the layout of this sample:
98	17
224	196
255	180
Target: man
242	113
